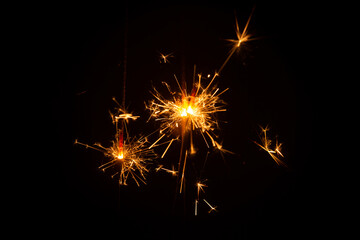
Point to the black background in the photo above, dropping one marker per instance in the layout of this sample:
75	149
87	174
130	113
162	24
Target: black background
269	81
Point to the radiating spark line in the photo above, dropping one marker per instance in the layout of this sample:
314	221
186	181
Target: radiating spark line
164	58
183	172
266	146
172	171
221	149
211	207
167	148
200	187
196	204
157	141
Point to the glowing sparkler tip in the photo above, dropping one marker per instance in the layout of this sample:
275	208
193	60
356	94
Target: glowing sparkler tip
190	110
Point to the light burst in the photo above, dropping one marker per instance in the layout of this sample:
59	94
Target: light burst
126	156
194	111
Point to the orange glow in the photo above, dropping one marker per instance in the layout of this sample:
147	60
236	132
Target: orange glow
121	155
186	109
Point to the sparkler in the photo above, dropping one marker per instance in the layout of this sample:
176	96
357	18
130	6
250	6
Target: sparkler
193	111
275	153
126	156
185	113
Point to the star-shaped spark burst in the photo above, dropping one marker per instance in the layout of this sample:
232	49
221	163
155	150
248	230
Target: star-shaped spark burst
194	111
126	156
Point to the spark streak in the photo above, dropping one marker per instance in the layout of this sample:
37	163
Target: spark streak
200	187
211	207
266	146
171	171
164	58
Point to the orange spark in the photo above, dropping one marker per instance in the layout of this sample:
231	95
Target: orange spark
164	58
266	146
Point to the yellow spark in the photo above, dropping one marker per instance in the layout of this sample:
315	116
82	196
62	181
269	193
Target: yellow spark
196	203
167	148
211	207
121	114
183	173
159	168
126	116
200	187
278	148
266	146
172	171
164	58
242	37
156	141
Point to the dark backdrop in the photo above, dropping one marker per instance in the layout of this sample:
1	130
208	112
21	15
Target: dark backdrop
270	82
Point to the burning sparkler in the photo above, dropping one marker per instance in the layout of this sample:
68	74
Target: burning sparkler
193	111
275	153
126	156
185	113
